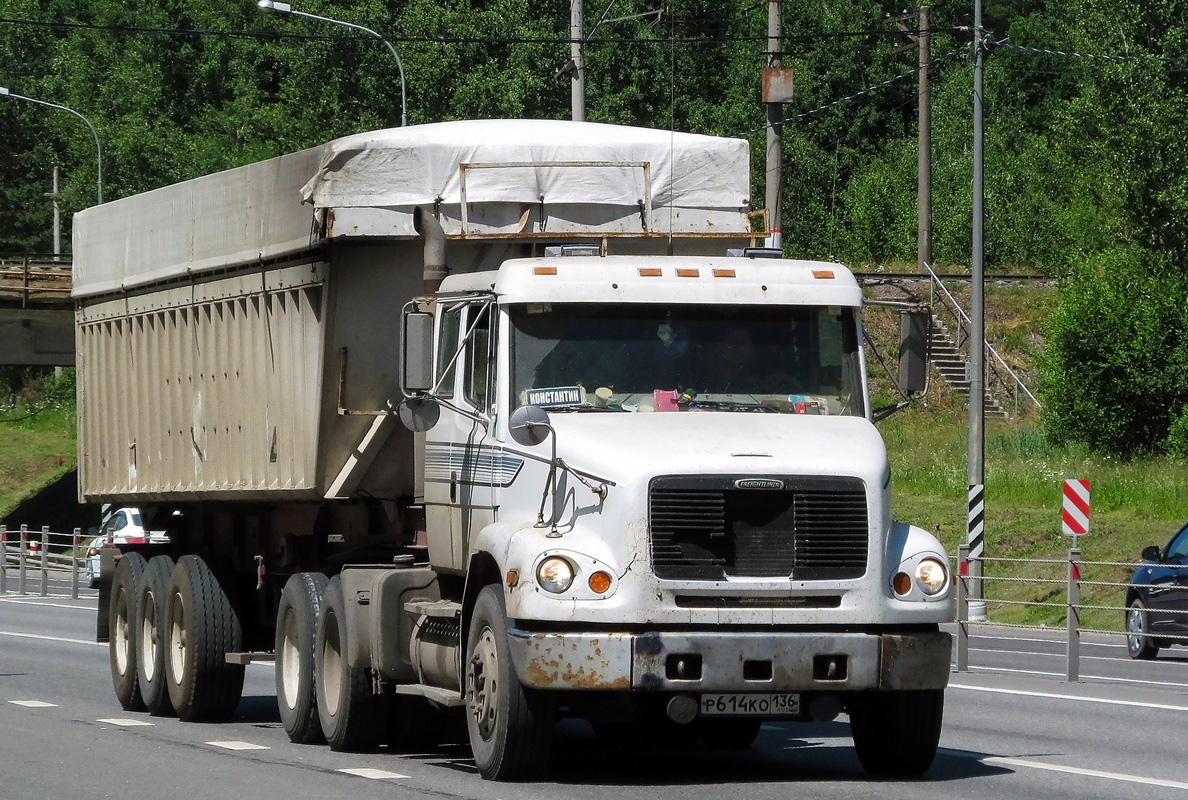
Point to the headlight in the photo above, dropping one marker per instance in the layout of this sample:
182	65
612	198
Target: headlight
931	576
554	574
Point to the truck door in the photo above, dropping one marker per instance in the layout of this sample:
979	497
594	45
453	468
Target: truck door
458	490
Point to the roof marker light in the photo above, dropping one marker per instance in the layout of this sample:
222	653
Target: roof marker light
650	272
823	273
544	270
688	273
724	273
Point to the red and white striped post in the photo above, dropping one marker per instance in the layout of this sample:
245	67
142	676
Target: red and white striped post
1075	523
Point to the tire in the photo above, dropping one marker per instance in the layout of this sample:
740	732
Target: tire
150	641
1139	644
510	726
296	629
353	718
896	733
202	627
729	734
123	625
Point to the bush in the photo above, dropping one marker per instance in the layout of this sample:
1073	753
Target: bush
1114	373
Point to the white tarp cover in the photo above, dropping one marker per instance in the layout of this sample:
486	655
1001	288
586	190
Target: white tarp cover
417	165
265	210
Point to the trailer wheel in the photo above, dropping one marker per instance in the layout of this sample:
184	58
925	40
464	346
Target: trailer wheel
352	717
123	624
896	733
202	628
296	628
150	610
510	726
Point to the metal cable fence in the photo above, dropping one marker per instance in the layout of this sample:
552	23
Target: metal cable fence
43	552
1065	595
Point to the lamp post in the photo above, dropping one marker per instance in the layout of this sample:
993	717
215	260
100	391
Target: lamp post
99	150
268	6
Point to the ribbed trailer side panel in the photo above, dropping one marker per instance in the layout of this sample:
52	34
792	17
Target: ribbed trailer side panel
209	391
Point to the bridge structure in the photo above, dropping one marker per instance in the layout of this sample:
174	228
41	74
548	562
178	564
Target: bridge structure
36	311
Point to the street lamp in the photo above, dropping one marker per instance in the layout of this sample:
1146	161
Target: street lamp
268	6
99	150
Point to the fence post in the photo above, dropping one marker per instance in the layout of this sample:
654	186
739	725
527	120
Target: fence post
23	556
963	608
77	542
3	559
45	560
1074	615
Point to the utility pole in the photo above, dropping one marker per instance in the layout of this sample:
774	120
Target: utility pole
55	195
577	68
924	162
922	42
975	534
777	90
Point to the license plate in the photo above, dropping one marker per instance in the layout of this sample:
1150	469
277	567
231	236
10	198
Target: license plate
750	705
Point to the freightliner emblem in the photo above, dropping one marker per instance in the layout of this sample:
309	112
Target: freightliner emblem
758	483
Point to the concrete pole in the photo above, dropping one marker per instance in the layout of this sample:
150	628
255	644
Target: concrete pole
578	76
975	534
775	132
924	163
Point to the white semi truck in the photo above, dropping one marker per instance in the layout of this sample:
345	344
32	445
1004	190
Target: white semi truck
483	417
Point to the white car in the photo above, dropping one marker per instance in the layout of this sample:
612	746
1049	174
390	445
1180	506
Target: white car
125	527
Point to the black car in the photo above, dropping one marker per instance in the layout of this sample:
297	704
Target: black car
1157	600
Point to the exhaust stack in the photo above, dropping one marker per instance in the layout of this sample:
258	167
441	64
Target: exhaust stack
433	235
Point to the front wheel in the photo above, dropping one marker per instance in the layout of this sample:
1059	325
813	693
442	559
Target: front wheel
896	733
1139	643
510	726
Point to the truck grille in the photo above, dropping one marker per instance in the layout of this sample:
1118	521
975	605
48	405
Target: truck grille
705	528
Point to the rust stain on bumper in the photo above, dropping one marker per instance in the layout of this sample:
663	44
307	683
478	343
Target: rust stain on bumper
571	661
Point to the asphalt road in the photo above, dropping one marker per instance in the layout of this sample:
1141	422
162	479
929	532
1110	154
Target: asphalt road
1013	729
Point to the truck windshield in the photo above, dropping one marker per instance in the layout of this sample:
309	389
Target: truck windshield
783	359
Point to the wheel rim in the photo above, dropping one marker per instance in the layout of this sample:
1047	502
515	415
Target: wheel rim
122	645
177	639
1134	629
148	637
331	674
290	656
484	683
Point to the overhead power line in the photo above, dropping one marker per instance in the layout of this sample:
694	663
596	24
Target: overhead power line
132	30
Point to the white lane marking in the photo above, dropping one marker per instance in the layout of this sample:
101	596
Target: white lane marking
1053	640
124	722
26	601
1106	678
1112	659
1089	773
238	745
1054	696
33	703
374	774
52	638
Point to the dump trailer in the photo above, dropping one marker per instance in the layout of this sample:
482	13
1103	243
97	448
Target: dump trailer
503	419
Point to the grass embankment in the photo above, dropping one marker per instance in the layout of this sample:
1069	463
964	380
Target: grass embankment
1134	504
36	449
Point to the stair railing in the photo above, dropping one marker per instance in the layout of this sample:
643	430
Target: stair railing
1012	384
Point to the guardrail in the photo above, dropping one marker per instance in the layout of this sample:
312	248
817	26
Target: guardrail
36	550
1066	592
35	280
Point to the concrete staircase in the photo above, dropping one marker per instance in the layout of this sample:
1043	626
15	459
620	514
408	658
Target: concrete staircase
953	367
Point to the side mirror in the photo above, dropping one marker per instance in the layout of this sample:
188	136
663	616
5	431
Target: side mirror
529	425
419	414
913	351
1151	553
416	355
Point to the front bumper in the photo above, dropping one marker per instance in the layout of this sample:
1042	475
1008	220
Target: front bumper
732	662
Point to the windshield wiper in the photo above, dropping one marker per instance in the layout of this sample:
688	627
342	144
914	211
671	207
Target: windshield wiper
732	405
